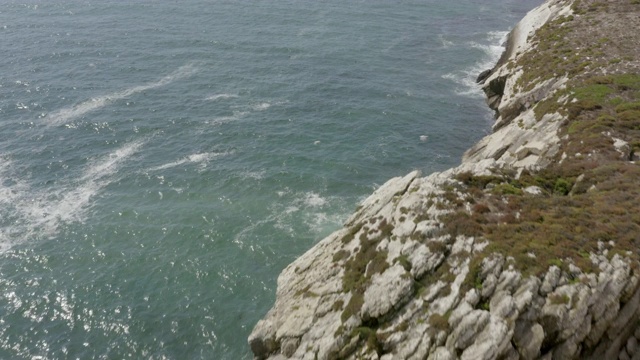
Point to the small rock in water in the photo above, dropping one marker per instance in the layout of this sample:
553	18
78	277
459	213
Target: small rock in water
483	76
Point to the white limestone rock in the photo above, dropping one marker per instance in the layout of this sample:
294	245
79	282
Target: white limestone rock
441	353
533	190
550	280
468	329
491	342
382	197
528	339
386	291
503	306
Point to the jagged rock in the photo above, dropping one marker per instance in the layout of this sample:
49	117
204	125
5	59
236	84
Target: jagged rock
472	297
262	340
382	197
528	338
441	353
423	260
550	280
468	329
386	291
489	286
459	313
632	345
491	343
508	279
289	346
533	190
483	76
532	148
502	305
511	353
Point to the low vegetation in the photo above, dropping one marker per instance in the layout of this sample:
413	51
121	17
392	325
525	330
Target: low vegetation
366	262
590	193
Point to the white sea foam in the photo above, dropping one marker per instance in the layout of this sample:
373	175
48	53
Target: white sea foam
254	175
467	78
41	212
221	97
237	115
322	223
199	158
261	106
241	111
445	43
293	209
108	165
69	204
314	200
65	115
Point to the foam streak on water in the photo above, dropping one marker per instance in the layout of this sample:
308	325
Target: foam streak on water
221	96
65	115
199	158
39	213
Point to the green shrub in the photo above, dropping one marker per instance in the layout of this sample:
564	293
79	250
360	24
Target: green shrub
593	94
506	189
403	260
562	187
628	106
557	299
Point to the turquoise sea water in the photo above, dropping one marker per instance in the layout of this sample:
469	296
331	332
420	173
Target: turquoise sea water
162	161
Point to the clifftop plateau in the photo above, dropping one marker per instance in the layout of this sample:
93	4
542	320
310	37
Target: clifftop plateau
527	250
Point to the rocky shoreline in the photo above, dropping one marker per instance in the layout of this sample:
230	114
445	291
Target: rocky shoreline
522	251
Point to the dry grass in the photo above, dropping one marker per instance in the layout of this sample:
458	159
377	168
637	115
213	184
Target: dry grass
594	193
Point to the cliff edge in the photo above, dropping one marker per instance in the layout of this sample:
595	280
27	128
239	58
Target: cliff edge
527	250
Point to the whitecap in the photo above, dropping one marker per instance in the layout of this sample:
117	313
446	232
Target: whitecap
237	115
254	175
261	106
68	114
199	158
314	200
221	97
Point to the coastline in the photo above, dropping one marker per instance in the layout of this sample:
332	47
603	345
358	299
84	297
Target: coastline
481	261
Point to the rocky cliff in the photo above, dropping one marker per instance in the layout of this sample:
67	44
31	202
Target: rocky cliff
528	249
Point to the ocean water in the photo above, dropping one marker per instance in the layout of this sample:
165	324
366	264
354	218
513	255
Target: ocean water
162	161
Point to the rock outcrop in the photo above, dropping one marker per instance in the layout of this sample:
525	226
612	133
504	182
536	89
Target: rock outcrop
527	250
